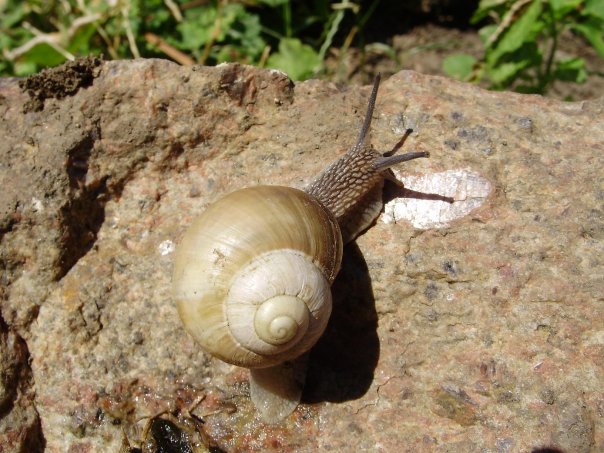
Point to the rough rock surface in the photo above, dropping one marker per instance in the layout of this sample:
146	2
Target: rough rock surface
477	329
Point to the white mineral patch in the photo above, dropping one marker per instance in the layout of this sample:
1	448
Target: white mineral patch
166	247
37	205
468	189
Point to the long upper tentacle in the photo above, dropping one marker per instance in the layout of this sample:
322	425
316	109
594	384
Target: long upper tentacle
369	113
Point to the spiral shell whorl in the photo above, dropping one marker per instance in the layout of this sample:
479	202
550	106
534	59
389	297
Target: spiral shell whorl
279	302
279	319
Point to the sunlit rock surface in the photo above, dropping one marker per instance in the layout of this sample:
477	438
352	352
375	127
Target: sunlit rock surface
472	326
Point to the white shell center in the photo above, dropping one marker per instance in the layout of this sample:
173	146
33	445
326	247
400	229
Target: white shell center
279	319
271	288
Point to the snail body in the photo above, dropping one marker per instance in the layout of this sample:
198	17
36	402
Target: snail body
252	274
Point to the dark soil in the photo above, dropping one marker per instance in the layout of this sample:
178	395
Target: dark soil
64	80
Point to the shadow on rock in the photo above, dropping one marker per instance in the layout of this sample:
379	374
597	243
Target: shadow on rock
342	363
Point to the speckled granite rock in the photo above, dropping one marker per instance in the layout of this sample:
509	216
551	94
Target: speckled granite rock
479	328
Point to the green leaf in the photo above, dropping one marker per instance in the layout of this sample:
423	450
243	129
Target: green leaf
158	18
43	55
484	7
80	43
273	3
459	66
592	31
485	32
196	30
513	64
231	14
4	68
562	7
246	35
571	70
298	60
521	31
23	68
594	8
251	39
14	15
504	72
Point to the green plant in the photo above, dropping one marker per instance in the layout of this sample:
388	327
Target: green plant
521	45
37	33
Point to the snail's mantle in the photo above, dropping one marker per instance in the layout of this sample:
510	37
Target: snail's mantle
471	327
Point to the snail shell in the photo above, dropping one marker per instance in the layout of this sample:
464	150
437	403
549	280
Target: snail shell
252	275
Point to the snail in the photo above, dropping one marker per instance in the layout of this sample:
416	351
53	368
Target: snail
252	274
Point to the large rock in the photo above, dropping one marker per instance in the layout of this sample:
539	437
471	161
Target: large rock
476	326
